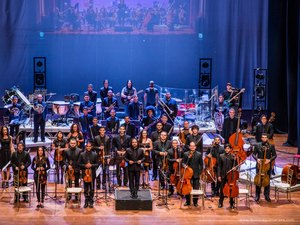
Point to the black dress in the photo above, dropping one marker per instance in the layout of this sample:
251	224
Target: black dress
5	153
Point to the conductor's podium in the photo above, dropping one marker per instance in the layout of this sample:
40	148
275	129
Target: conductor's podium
125	202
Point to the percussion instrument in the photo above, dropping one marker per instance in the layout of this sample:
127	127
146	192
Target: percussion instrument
60	107
76	108
98	106
16	92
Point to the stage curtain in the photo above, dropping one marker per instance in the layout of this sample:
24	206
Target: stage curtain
283	66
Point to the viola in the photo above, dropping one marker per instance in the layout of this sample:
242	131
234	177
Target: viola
58	155
71	175
22	177
87	175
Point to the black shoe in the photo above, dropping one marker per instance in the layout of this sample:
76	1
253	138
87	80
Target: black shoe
34	141
217	193
38	206
153	178
7	184
98	187
256	199
268	199
91	205
232	206
26	200
187	204
42	206
3	184
170	193
76	198
220	205
86	204
196	204
69	198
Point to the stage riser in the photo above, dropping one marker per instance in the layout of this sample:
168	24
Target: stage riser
125	202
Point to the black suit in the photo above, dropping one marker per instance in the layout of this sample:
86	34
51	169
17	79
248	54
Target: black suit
17	160
107	102
197	140
130	129
158	147
196	163
39	120
92	158
226	162
119	144
71	159
229	127
135	168
260	129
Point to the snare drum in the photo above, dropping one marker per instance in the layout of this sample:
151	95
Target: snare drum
98	106
60	107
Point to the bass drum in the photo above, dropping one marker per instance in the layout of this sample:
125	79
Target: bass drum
285	172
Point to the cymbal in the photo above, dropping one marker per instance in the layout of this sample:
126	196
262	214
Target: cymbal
51	94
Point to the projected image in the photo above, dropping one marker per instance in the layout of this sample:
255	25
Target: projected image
109	16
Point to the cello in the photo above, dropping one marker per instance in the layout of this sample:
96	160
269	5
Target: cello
208	175
184	186
236	141
231	189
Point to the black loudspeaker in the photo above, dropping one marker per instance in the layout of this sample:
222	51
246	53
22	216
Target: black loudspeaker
205	71
39	69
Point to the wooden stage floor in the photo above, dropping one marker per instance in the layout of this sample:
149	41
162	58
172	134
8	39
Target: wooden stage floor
281	212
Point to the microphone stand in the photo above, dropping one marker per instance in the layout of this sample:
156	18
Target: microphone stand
164	199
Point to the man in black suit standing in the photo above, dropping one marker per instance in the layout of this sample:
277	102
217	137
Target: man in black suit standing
193	159
134	157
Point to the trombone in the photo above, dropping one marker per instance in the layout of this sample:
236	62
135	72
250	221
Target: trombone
166	108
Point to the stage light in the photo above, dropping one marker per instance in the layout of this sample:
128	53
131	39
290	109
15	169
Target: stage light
260	76
260	92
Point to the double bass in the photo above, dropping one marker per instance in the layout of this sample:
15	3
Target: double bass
262	179
236	141
184	186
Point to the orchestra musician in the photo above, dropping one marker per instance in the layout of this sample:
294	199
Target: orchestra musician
76	134
151	95
196	138
175	154
102	146
220	112
88	162
72	168
20	161
127	92
39	118
193	159
85	121
169	106
226	163
112	122
134	108
120	143
166	126
7	149
59	145
268	150
229	93
40	165
109	103
104	90
134	157
229	125
215	151
264	127
146	145
89	104
149	120
186	130
91	93
94	128
154	137
130	128
15	114
160	148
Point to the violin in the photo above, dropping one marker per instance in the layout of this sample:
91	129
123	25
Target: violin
71	174
42	177
122	164
231	189
184	186
236	141
87	175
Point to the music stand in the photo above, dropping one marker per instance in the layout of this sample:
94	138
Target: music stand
106	197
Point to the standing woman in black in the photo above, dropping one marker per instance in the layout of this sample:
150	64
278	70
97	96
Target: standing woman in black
134	157
40	165
6	151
